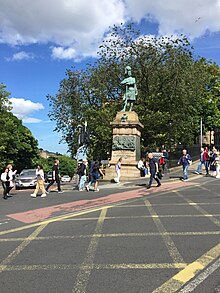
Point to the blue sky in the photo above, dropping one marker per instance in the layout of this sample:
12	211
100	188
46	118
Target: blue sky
39	40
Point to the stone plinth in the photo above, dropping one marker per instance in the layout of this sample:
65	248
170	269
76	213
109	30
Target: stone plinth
126	133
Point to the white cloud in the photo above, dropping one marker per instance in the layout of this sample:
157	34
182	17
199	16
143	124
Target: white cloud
192	18
75	28
78	24
31	120
22	108
22	55
62	53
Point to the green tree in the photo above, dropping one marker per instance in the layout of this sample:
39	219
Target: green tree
175	89
17	144
67	165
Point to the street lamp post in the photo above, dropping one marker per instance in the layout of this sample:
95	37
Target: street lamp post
201	134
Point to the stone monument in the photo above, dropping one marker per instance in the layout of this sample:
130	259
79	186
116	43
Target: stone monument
126	132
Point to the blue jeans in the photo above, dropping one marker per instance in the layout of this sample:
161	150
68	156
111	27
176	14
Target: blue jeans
153	176
82	182
199	168
185	172
206	163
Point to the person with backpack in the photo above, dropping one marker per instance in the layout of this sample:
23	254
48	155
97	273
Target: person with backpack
154	169
185	160
82	174
95	174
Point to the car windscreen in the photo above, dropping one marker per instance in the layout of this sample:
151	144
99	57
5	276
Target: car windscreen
29	174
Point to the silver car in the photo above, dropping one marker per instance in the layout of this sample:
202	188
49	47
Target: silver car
27	178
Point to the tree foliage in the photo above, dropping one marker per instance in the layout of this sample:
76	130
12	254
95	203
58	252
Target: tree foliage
17	144
67	165
175	89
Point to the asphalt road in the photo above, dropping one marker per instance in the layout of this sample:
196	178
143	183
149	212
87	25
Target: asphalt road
123	239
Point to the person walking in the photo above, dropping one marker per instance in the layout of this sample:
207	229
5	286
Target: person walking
217	165
5	178
12	177
97	172
55	177
185	160
212	162
91	177
82	174
118	171
201	161
40	182
206	160
154	169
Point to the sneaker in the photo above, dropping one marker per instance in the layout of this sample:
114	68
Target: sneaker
33	195
96	190
43	195
80	189
158	185
148	187
46	191
196	172
60	191
87	187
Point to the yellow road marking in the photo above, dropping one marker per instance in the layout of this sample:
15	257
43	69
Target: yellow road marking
167	204
177	281
205	233
71	215
140	217
52	220
85	271
173	251
130	266
201	210
20	248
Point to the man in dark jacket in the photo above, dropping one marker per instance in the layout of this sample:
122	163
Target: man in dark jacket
55	177
185	160
153	164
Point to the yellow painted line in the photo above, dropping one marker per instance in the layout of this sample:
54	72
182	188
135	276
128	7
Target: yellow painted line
85	271
20	248
140	217
72	215
189	272
159	234
201	210
207	190
129	266
172	249
169	204
56	219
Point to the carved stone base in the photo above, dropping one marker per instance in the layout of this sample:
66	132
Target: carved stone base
128	172
126	133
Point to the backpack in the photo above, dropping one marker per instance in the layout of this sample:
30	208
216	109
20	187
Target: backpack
79	169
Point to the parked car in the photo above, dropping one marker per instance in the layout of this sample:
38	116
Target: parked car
65	178
27	178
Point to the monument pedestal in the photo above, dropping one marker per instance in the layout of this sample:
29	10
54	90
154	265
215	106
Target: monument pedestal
126	131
